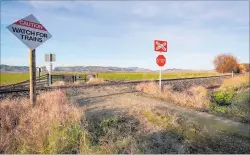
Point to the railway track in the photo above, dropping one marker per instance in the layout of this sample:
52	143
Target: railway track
7	89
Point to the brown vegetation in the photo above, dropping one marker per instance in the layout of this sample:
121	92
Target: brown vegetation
245	67
237	81
226	63
95	81
195	97
27	129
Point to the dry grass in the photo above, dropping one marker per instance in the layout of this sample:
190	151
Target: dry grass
79	83
63	83
26	128
196	97
95	81
237	82
151	88
59	83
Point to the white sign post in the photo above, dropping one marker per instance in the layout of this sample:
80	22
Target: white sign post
32	34
50	58
160	80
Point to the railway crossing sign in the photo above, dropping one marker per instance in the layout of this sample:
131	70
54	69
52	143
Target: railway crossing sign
50	58
160	46
30	31
161	60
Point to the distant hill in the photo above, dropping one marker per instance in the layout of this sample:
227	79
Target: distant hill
177	70
99	69
7	68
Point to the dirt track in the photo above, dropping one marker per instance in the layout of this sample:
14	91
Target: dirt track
108	101
123	101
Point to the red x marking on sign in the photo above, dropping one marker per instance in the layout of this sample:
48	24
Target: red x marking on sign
160	46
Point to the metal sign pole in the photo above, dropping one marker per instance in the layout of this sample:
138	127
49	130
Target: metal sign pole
160	80
33	76
50	73
39	72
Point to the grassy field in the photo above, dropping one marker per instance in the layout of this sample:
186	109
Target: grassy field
138	76
69	128
230	100
11	78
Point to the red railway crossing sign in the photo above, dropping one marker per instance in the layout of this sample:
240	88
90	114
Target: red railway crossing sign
161	60
160	46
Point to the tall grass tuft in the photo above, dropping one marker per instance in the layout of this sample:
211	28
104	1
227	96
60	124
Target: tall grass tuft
196	97
51	126
237	82
95	81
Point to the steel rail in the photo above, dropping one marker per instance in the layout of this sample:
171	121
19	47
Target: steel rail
110	83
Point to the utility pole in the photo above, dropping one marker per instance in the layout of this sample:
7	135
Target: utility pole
32	76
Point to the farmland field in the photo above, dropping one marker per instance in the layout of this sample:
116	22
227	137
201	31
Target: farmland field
138	76
11	78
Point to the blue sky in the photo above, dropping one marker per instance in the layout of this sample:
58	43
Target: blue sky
118	33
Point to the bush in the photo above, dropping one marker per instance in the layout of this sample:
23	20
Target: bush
220	109
224	97
226	63
240	104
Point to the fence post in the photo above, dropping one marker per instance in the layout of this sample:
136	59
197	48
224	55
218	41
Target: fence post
48	79
51	79
232	74
85	78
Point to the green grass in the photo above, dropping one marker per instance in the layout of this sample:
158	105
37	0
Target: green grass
232	99
11	78
138	76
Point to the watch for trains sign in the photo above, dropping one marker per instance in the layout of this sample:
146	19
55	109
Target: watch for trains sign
30	31
160	46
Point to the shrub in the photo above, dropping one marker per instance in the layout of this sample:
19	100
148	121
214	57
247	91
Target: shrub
225	63
240	104
220	109
223	97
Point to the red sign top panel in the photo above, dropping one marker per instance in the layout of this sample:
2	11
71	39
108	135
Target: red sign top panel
161	60
30	24
160	46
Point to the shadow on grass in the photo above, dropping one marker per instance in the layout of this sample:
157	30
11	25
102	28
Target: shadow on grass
120	133
85	101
